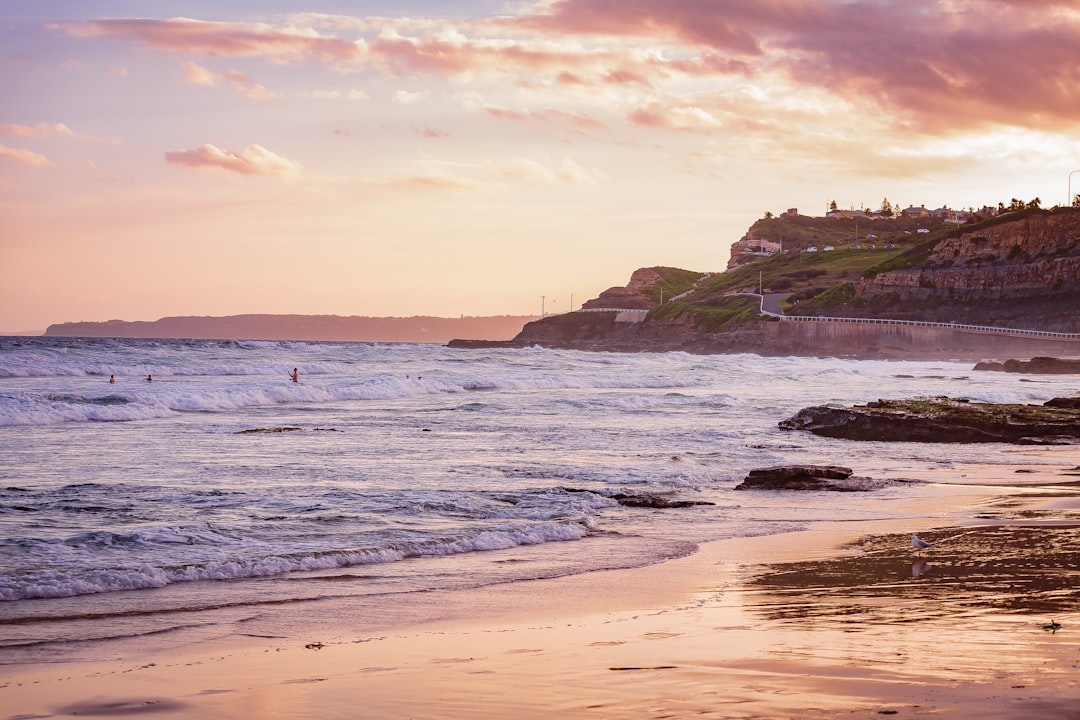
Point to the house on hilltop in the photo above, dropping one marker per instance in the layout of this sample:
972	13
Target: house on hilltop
916	212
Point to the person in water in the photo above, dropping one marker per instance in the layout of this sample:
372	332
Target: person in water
149	378
112	379
294	375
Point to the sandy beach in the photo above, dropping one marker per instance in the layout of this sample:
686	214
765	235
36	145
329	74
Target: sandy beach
847	620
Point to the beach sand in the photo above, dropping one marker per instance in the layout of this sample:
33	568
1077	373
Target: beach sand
846	620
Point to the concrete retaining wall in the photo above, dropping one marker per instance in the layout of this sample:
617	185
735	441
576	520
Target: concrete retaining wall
848	338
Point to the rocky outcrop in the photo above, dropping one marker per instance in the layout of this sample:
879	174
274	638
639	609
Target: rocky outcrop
1039	252
1034	366
750	248
941	420
809	477
657	502
632	297
1036	235
1072	403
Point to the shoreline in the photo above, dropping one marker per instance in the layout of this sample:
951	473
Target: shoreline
835	620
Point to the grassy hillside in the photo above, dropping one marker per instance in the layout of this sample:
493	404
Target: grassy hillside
824	281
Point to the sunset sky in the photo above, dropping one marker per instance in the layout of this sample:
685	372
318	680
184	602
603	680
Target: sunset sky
448	157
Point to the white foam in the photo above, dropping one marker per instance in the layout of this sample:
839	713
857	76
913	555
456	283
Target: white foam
68	582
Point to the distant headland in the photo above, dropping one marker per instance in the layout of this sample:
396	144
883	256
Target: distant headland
350	328
919	284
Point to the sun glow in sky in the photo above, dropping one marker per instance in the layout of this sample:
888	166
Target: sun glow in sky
423	157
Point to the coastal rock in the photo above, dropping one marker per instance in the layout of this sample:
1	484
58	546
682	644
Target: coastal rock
1072	403
633	296
646	501
1034	366
808	477
655	501
941	420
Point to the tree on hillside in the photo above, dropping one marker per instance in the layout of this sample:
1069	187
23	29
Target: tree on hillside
832	206
1076	200
886	208
1034	203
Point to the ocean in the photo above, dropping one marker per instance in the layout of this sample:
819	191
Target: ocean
203	492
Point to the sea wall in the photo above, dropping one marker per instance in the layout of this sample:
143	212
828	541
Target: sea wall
908	341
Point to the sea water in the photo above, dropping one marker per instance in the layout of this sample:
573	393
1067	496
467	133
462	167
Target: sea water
202	484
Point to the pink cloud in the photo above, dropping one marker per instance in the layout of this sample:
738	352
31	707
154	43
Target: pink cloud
578	122
197	37
194	74
505	114
944	65
429	132
246	86
51	130
626	77
41	130
24	157
254	160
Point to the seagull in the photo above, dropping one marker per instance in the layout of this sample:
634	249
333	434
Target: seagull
919	543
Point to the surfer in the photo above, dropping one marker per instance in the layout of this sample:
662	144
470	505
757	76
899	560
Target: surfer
294	375
149	378
112	379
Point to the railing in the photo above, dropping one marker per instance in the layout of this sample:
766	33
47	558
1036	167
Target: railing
614	310
1017	332
986	329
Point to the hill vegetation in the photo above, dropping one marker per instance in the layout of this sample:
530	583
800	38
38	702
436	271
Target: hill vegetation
1019	268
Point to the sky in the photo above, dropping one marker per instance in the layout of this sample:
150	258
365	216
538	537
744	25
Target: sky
480	157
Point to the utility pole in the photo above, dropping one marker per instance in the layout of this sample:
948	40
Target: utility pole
542	299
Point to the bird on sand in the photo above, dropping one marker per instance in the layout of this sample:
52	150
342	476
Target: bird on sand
919	543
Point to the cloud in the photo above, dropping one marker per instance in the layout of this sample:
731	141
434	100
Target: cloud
51	130
118	70
24	157
254	160
565	172
336	95
404	97
678	117
579	123
41	130
248	87
194	74
943	66
222	39
936	66
429	132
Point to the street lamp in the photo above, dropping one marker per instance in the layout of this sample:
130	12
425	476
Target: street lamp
1069	201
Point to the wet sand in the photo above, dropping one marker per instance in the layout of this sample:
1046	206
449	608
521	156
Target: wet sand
846	620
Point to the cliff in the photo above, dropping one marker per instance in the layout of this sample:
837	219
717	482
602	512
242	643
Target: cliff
1012	273
1021	270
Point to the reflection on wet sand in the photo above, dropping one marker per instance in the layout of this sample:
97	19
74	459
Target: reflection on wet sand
983	570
